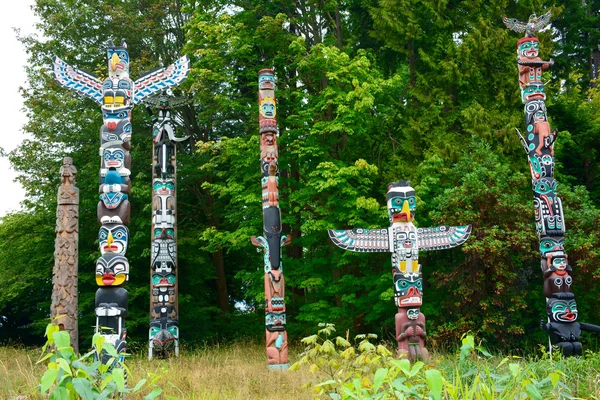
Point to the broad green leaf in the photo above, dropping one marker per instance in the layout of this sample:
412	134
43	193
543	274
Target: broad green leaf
119	378
138	385
153	394
514	369
61	339
84	388
64	365
533	392
435	383
378	379
48	379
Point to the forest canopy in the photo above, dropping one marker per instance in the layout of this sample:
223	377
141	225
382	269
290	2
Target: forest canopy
368	93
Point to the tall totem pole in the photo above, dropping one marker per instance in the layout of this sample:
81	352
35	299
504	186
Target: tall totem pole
272	241
66	252
562	326
164	315
117	95
404	240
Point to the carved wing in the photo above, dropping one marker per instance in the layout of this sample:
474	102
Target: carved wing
78	80
514	24
362	240
542	21
442	237
157	80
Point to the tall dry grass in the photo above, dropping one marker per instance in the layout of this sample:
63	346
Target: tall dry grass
221	372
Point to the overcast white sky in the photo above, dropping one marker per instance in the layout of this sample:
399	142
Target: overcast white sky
17	15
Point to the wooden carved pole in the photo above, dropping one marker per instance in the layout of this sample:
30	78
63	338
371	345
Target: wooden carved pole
404	240
272	241
116	95
66	247
164	309
561	324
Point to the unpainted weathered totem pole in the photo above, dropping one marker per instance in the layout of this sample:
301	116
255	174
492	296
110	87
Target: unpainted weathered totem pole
272	241
404	240
63	309
562	326
117	95
164	309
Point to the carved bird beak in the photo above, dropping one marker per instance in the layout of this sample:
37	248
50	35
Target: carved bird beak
406	211
114	61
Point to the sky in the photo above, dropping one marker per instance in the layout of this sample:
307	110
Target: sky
18	15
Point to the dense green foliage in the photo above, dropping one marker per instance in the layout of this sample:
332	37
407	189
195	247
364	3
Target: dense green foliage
368	93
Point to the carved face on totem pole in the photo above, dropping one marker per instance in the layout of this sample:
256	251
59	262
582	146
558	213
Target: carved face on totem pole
408	289
112	270
533	91
268	108
401	202
116	157
561	307
163	187
113	238
275	322
528	47
554	258
266	79
118	60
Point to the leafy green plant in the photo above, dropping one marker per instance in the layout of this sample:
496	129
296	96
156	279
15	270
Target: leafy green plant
369	371
71	377
365	370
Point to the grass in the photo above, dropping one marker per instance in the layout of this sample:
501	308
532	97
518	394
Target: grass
239	372
231	372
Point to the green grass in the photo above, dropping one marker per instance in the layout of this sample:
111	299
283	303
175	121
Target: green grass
239	372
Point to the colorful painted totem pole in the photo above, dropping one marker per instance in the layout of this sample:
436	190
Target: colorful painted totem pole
562	327
117	95
66	252
164	316
272	241
404	240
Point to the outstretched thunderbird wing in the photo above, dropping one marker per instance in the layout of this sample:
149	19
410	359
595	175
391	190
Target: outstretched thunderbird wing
362	240
157	80
542	21
514	24
78	80
442	237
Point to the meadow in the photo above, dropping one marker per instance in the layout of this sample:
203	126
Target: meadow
332	367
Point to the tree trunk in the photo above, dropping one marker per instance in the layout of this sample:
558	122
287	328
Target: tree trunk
218	259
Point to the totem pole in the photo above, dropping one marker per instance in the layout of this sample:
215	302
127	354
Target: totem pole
164	317
272	241
66	248
404	240
117	95
562	327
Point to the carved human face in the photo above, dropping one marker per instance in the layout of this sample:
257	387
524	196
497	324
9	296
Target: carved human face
113	157
112	270
266	80
163	186
113	238
402	203
408	289
412	313
275	322
529	49
561	307
267	107
533	91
